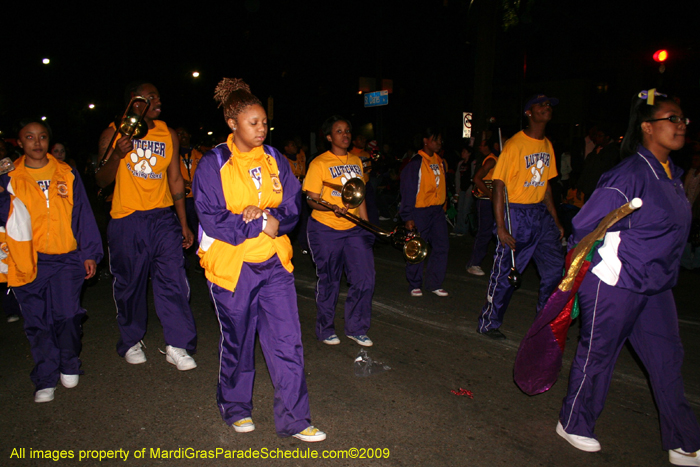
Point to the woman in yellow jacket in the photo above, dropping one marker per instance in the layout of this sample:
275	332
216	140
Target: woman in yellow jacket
53	246
247	200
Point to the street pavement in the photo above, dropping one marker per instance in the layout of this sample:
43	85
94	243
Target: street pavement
405	416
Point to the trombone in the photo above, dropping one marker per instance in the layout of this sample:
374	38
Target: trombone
131	125
352	194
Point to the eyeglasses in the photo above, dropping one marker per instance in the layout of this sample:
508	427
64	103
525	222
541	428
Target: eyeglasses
675	119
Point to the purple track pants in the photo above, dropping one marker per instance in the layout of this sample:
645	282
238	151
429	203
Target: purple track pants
265	303
537	238
53	317
335	251
610	316
143	244
432	225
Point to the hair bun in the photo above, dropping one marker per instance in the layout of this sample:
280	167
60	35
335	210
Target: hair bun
228	86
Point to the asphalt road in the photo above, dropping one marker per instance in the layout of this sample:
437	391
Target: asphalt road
406	416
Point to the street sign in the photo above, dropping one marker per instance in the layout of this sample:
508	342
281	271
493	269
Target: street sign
466	124
375	99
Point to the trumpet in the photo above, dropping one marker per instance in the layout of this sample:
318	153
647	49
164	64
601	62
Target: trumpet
478	194
414	248
131	125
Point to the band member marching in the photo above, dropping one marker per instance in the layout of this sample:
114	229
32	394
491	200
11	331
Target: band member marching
189	158
423	198
247	200
522	173
338	244
145	237
53	245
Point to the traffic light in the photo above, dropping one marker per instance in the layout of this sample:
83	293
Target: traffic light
660	55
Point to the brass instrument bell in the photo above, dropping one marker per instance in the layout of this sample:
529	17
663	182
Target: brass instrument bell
415	249
131	124
352	193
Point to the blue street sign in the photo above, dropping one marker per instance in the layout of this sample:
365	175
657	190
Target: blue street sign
375	99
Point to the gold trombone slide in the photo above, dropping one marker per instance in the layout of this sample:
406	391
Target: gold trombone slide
414	248
131	125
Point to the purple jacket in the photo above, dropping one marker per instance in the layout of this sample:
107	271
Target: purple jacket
642	252
210	203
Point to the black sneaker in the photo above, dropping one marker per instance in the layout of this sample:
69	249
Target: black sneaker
493	334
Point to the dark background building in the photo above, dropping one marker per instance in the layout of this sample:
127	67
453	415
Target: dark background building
443	57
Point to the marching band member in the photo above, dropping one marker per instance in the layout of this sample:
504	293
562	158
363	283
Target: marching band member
248	200
189	158
296	158
53	245
337	244
423	198
523	171
146	237
626	293
484	208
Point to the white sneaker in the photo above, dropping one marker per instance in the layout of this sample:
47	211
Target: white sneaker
135	355
311	435
680	457
441	292
244	425
12	318
416	293
581	442
476	270
44	395
331	340
363	340
69	381
180	358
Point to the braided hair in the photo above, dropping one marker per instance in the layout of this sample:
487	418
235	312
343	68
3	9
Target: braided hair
234	95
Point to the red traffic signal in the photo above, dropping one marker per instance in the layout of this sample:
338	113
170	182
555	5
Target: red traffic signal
660	55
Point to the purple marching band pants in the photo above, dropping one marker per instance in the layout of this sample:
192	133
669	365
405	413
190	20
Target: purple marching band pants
265	302
150	243
485	233
432	225
53	317
335	251
537	238
610	316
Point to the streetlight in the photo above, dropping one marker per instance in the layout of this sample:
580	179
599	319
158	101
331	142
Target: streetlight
195	74
46	61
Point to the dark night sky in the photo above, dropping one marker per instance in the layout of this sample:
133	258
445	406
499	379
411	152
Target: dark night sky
309	56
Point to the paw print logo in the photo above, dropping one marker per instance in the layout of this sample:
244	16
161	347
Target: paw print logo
436	172
537	173
143	160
